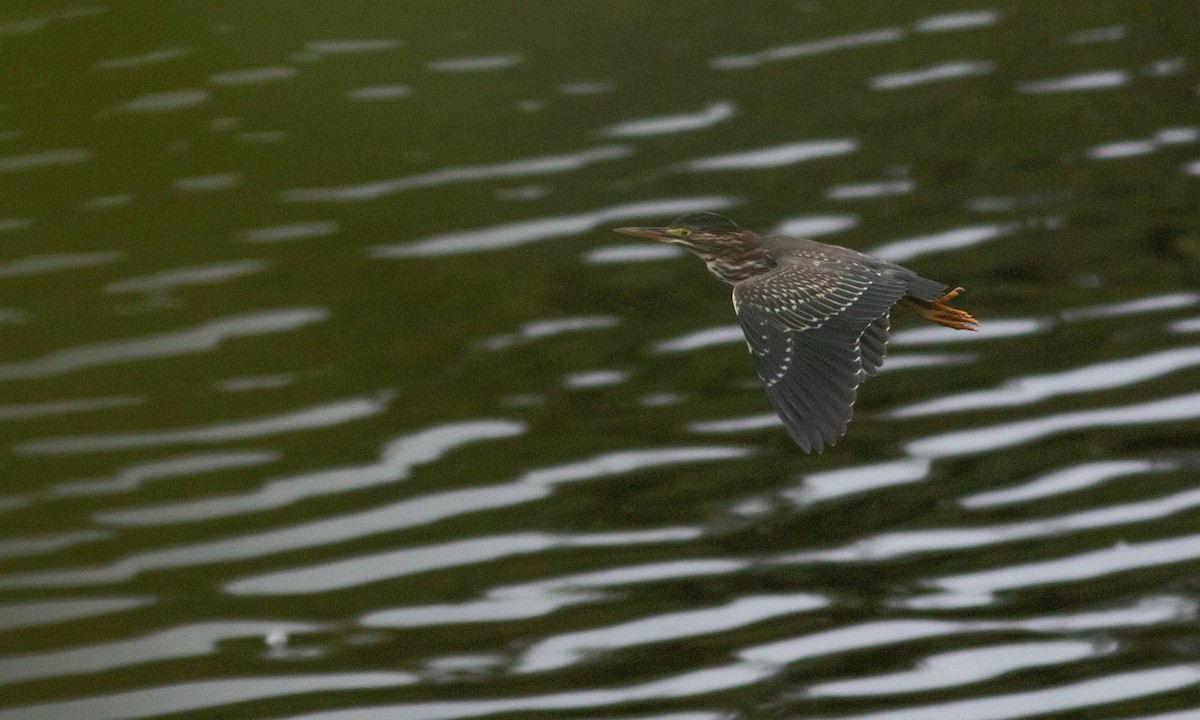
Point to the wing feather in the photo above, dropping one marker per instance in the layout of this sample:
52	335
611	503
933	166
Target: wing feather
815	331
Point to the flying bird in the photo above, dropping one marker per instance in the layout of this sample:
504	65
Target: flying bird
815	316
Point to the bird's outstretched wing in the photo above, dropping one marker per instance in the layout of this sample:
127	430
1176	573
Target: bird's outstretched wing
815	331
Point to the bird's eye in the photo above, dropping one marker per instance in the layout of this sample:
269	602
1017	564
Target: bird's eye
681	232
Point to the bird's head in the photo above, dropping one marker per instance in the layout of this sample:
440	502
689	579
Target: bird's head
704	233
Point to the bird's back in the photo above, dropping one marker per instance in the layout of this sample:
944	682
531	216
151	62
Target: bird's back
785	249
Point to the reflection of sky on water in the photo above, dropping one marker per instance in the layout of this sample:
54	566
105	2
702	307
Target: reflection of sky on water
466	526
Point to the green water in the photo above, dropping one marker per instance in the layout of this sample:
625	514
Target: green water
326	391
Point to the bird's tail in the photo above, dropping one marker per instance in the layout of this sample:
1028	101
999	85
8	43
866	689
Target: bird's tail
925	289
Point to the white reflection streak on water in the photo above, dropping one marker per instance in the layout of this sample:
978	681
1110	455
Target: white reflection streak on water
713	114
179	642
205	337
160	102
150	58
376	567
207	183
899	544
692	684
204	694
320	416
528	231
1059	699
542	597
1035	388
563	650
935	73
396	463
862	478
1098	80
48	612
1154	303
1066	480
964	667
808	49
1020	432
45	158
182	277
772	157
956	239
762	662
290	231
38	264
132	477
15	546
352	46
474	64
533	485
957	21
861	191
813	225
631	253
989	330
538	329
1096	563
545	165
253	76
50	408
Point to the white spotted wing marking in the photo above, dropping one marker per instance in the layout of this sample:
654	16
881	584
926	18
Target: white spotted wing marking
807	327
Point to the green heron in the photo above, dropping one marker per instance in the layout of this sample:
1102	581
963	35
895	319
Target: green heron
815	316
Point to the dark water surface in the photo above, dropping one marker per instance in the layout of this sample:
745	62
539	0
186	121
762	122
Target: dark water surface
326	392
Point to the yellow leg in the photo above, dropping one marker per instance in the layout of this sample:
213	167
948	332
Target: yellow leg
941	313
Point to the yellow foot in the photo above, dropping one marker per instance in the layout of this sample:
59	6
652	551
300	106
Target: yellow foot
939	312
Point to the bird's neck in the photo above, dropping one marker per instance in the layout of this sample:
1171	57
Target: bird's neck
741	257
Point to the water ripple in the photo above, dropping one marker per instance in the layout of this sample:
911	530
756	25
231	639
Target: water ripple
151	58
1036	388
397	461
563	650
1066	480
1122	557
180	642
862	191
376	567
814	225
474	64
160	102
808	49
901	544
185	276
529	231
715	113
538	329
1099	80
1104	690
546	165
965	667
533	485
772	157
201	338
50	612
957	21
956	239
132	477
1020	432
542	597
934	73
320	416
203	695
51	408
46	158
39	264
